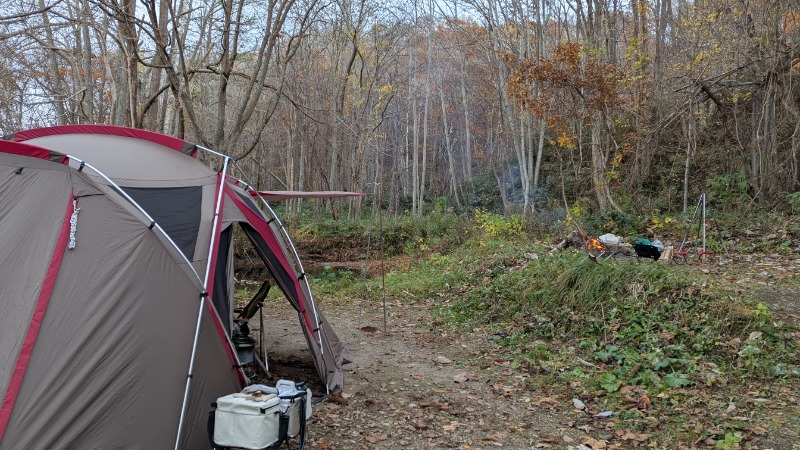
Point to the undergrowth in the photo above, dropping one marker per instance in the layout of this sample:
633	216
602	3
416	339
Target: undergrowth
403	234
619	333
640	324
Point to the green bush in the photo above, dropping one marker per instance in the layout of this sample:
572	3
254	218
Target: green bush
794	202
729	190
495	225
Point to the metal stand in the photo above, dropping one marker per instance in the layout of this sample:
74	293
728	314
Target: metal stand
264	363
702	251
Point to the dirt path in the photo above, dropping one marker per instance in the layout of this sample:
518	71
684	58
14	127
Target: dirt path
418	389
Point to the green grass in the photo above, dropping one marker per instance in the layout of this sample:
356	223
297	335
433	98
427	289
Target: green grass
690	340
644	324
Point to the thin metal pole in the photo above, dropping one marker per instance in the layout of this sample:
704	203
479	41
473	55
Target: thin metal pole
208	150
383	257
703	199
261	336
365	273
202	300
689	229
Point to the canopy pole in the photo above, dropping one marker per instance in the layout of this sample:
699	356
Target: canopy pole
383	258
703	199
203	297
365	272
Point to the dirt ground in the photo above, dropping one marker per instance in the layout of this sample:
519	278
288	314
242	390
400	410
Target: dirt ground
417	387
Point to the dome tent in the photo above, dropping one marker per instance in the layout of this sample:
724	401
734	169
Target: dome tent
116	289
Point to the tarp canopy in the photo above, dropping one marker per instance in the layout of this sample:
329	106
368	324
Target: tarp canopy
287	195
116	264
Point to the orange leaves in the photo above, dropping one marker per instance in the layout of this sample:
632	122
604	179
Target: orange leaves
571	85
569	54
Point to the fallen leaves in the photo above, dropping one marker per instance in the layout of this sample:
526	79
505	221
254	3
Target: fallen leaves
375	438
496	437
594	444
443	360
451	426
632	436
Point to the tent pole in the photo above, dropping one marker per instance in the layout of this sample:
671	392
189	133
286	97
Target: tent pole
261	336
365	272
383	257
365	275
203	297
689	229
206	149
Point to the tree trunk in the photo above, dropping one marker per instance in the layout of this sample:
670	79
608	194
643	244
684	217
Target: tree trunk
451	165
52	60
599	165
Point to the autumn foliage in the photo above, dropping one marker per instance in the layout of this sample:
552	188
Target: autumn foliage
566	88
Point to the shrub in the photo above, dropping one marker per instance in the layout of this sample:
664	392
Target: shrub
495	225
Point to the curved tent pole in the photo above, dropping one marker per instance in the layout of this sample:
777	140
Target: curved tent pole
153	223
203	297
297	259
221	155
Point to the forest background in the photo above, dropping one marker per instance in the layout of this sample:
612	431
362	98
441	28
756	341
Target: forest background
534	107
485	128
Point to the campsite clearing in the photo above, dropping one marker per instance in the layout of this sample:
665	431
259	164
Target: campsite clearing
430	385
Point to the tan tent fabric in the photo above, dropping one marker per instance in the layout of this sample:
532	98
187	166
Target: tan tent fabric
127	159
112	354
29	235
109	361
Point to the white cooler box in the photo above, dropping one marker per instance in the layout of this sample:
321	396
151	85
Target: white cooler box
262	416
247	420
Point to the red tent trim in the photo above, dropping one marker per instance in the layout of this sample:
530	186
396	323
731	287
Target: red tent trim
21	365
262	227
158	138
33	151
